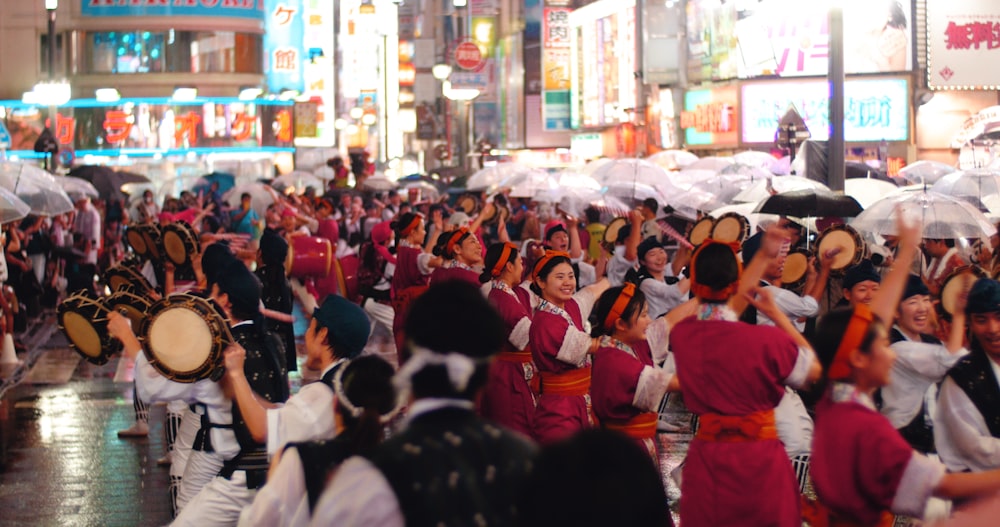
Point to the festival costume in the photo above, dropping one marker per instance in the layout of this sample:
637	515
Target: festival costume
512	386
967	425
448	467
455	270
938	269
306	416
627	385
862	468
408	282
559	347
732	376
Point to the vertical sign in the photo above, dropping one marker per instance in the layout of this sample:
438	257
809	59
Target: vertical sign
555	68
283	29
318	69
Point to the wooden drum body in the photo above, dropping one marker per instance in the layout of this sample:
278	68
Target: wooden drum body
180	243
84	321
309	256
184	337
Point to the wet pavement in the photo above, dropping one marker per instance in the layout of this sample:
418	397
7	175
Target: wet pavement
62	463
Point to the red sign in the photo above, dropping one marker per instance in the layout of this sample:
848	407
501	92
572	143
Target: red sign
468	56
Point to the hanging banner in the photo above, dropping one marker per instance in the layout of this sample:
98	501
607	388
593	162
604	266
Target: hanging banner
962	37
556	68
283	29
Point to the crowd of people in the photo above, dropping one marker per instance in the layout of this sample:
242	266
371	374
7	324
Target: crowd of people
526	356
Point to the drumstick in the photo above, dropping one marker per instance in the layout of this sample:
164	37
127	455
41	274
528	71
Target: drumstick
672	233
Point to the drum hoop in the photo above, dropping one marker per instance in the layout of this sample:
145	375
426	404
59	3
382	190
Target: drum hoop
974	271
795	282
185	236
135	279
740	219
698	227
72	305
614	226
208	312
845	230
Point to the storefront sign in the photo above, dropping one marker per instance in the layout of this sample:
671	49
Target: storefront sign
604	87
709	117
977	125
283	44
962	37
556	68
158	8
874	109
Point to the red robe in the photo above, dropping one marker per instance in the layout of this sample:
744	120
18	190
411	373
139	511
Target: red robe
443	274
615	380
407	283
508	397
735	369
552	329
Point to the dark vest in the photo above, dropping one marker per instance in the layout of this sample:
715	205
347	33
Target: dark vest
318	459
450	467
919	432
974	375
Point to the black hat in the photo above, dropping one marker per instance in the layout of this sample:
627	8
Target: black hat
915	286
214	259
647	245
624	233
242	287
984	297
273	248
860	273
346	324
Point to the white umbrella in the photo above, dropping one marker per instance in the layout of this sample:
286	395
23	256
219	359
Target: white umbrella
76	187
298	180
868	190
763	189
426	190
943	217
673	159
722	188
755	159
591	167
529	183
260	197
782	167
575	179
973	185
12	207
379	183
621	171
35	187
714	164
325	173
632	193
926	171
488	178
747	210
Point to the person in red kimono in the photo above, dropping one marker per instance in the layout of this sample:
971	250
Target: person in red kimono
413	268
462	256
562	348
627	383
512	387
862	468
732	377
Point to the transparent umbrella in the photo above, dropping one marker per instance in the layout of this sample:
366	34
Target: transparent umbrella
714	164
325	173
75	187
926	171
972	185
755	159
490	177
722	188
260	197
763	189
632	193
673	159
591	167
868	191
379	183
298	180
943	217
621	171
12	207
529	184
35	187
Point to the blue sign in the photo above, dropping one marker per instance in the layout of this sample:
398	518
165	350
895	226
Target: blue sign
4	136
203	8
283	30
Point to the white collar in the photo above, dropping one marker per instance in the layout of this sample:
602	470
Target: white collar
423	406
939	264
843	392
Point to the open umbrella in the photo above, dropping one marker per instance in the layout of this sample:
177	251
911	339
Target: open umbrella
325	173
868	191
425	189
755	159
379	183
35	187
810	203
224	180
926	171
673	159
298	181
12	208
622	171
714	164
260	197
490	177
529	184
76	187
973	185
943	217
764	189
107	181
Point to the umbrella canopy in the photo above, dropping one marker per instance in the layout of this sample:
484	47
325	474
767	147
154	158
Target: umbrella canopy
673	159
35	187
490	177
764	189
722	188
810	203
325	173
577	180
76	188
755	159
943	217
591	167
379	183
628	171
225	181
714	164
529	184
747	210
425	189
868	191
12	208
632	193
573	200
107	181
926	171
260	197
972	185
298	181
857	169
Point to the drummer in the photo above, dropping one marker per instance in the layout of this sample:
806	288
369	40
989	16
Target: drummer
564	236
625	255
659	278
860	283
796	307
945	259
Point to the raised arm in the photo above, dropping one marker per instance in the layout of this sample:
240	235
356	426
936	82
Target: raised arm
891	290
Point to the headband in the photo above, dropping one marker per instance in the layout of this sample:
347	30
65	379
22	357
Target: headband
861	320
356	411
549	255
460	367
410	226
628	291
508	248
454	239
706	292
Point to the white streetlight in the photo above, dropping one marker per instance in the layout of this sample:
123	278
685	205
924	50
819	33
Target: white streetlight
459	94
441	71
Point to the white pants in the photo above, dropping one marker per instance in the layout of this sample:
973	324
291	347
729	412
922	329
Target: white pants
219	503
190	423
201	468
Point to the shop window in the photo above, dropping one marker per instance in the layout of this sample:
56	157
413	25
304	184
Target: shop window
128	52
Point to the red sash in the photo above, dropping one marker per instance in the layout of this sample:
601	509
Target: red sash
757	426
642	426
573	382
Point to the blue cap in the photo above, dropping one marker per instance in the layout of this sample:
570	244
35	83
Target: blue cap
346	324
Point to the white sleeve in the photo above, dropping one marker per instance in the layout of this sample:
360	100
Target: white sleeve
423	262
800	372
575	346
652	386
306	416
658	337
520	335
155	388
920	477
588	274
358	496
585	299
961	436
277	502
792	305
929	361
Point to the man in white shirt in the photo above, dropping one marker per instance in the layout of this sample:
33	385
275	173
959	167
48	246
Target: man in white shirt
87	226
626	253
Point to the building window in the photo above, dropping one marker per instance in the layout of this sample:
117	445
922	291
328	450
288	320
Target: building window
125	52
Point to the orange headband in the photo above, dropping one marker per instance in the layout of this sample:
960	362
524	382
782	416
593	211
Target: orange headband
857	328
619	306
410	226
504	256
455	237
549	255
706	292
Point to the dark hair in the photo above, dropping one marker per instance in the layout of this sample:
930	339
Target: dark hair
593	215
607	301
367	383
441	247
453	316
830	330
715	266
651	204
897	18
401	222
546	269
607	477
245	195
492	257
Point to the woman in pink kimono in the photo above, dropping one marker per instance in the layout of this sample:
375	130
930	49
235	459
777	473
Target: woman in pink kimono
462	255
561	348
862	468
627	383
732	376
512	386
413	268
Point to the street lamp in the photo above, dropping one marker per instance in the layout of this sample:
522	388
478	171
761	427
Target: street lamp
441	71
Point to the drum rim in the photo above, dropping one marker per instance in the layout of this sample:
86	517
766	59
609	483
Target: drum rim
185	301
706	220
109	345
133	231
740	219
614	221
859	253
185	236
976	271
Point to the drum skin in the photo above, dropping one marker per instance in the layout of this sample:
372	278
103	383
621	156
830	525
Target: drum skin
845	238
701	230
136	240
84	321
309	256
795	270
184	337
130	304
731	227
959	280
611	233
180	243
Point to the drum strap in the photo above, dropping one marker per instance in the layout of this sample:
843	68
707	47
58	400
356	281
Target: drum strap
254	463
203	439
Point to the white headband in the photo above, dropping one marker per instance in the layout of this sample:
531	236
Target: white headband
460	367
356	411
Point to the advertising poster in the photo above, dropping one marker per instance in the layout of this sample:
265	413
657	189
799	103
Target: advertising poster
603	82
710	117
962	36
556	62
283	29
